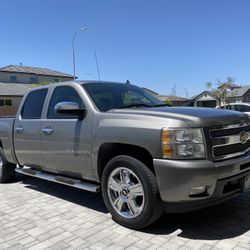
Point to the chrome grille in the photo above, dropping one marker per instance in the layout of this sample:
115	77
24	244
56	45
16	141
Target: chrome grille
230	141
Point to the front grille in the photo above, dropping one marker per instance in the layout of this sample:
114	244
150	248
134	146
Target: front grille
230	141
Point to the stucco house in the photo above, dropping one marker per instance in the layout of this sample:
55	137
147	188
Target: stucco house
15	80
204	99
10	97
29	75
209	99
174	100
240	94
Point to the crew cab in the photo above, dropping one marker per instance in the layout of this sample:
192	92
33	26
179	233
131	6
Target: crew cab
145	157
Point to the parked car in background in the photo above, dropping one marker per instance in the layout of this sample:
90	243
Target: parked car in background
241	107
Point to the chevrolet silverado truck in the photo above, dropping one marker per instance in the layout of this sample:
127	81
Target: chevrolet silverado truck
145	157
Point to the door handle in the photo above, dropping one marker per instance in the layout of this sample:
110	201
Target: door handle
47	130
19	129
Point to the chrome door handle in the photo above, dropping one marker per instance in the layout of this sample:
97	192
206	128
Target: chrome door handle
47	130
19	129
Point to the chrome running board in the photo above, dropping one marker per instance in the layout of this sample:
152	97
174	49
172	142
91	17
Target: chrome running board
59	179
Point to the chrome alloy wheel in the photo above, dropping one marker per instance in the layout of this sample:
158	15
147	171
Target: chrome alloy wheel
125	192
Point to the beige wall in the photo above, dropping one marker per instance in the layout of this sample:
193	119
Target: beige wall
10	110
25	78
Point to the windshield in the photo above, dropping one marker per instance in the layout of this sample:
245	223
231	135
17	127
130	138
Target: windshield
108	96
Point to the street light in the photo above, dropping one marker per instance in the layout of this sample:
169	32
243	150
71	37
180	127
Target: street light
73	49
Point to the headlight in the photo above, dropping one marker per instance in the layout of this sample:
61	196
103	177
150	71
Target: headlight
183	143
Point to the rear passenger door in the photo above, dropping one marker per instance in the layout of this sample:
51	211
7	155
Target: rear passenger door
27	129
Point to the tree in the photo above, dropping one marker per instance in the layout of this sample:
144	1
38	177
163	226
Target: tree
169	102
209	85
223	89
41	84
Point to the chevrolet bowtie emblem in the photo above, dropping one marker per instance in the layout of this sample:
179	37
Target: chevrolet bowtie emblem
244	137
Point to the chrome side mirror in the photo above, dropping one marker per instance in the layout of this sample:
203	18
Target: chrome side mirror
69	108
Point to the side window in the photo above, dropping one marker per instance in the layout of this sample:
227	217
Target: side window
33	105
238	108
245	108
63	94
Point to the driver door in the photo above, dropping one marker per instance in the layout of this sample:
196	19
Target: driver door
66	139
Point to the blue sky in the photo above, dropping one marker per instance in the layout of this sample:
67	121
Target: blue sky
158	44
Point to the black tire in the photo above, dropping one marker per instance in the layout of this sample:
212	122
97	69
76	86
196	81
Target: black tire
7	170
150	202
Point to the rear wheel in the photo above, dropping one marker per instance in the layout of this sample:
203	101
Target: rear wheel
7	170
130	192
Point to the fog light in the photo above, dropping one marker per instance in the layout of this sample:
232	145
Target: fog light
198	191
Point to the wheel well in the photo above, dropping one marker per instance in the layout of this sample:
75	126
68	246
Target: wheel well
107	151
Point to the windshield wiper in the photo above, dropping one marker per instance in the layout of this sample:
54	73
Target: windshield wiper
161	105
134	105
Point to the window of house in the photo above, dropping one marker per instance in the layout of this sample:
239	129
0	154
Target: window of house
13	78
63	94
7	103
33	79
33	106
1	102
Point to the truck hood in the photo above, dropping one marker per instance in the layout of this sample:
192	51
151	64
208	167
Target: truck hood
204	117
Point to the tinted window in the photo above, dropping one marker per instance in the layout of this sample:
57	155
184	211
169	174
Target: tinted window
226	107
242	108
107	96
63	94
33	105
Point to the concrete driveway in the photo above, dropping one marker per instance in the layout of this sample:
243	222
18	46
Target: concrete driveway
37	214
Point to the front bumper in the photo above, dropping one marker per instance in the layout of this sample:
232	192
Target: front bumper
222	180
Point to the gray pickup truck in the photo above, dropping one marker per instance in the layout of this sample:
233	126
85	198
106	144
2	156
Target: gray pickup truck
145	157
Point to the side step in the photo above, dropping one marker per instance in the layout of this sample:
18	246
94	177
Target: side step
59	179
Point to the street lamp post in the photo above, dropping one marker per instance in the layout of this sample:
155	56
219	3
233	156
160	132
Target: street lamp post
73	49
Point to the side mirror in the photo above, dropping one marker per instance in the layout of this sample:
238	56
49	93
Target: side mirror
70	108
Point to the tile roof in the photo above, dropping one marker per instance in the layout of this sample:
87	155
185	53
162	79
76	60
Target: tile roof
239	91
13	89
202	93
171	98
34	70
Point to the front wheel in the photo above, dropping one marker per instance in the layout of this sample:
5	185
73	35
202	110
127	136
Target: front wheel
130	192
7	170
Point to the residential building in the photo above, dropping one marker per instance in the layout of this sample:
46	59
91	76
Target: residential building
240	94
15	80
204	99
31	75
236	94
173	100
11	96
